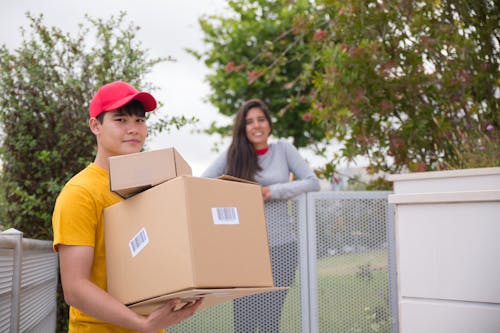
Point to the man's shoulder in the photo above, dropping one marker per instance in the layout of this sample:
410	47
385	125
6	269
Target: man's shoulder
89	176
87	180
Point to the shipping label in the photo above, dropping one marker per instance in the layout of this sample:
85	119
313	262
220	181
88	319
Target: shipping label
138	242
225	215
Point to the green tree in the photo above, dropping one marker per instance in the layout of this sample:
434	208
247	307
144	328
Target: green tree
409	85
47	84
243	53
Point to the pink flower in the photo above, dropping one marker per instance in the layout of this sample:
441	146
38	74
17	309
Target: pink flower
229	67
420	167
252	76
307	116
489	128
319	34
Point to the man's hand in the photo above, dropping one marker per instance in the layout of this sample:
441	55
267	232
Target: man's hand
170	314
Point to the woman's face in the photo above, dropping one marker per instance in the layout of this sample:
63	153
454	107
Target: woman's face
257	128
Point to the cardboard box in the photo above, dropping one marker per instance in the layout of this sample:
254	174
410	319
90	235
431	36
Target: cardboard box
188	234
133	173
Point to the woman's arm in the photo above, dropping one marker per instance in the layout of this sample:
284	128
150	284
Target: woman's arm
305	179
217	168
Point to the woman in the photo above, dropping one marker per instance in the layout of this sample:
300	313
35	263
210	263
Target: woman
251	157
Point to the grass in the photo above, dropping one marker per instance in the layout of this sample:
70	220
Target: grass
353	293
352	297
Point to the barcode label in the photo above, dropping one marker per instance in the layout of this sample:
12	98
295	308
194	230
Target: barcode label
139	241
225	215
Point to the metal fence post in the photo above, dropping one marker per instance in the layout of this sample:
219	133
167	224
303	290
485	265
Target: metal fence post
304	263
393	289
15	238
312	255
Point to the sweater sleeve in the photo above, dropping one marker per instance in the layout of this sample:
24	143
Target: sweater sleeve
217	168
305	178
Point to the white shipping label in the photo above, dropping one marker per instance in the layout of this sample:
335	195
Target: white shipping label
225	215
139	242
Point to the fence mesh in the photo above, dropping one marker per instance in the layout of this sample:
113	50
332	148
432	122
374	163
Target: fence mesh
352	263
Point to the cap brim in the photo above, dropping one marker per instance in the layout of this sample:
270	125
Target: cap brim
147	100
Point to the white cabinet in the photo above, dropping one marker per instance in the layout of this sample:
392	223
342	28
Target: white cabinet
448	250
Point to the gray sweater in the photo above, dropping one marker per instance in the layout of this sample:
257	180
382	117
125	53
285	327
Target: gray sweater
277	163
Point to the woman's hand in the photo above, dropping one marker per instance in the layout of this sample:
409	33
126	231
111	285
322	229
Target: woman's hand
266	192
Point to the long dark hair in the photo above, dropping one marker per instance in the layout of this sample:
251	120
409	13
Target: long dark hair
242	161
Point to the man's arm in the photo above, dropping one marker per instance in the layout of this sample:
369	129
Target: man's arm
81	293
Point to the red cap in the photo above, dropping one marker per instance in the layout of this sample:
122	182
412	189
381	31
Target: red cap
114	95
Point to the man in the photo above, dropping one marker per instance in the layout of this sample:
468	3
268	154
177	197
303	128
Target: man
118	121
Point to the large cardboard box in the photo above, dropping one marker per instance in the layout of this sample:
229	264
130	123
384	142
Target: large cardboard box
189	237
133	173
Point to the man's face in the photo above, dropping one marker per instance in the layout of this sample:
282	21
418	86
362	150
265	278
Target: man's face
121	133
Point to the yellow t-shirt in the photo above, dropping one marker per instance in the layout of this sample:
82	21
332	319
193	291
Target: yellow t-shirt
77	220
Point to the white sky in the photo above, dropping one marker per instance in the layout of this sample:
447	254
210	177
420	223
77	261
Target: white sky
167	28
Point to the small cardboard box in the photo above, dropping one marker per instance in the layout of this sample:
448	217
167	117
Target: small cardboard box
133	173
188	235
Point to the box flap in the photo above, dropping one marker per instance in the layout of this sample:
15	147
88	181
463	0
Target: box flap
236	179
182	168
210	297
